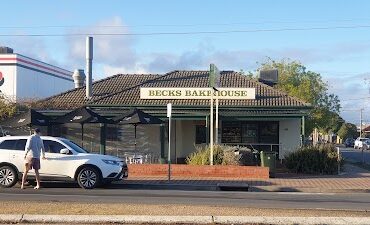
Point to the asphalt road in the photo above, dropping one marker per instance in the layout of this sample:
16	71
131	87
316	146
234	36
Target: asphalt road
70	193
355	154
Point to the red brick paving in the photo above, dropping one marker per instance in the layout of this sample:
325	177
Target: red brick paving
353	179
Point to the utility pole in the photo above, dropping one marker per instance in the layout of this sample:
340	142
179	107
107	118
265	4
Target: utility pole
361	121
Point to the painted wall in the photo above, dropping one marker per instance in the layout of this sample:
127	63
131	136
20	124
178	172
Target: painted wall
181	140
36	79
289	135
186	132
36	85
8	81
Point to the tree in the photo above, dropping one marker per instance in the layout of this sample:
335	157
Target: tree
308	86
348	130
7	108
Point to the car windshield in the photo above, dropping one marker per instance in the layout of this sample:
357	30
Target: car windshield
75	146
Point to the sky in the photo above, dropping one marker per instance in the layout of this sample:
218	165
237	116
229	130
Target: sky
146	36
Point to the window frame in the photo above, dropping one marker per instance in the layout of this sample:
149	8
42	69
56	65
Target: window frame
53	141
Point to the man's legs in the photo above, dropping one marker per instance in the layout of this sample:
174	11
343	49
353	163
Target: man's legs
24	177
37	179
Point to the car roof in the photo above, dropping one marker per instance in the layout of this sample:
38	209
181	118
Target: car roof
25	137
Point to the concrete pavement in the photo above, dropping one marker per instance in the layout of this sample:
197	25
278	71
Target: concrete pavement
145	219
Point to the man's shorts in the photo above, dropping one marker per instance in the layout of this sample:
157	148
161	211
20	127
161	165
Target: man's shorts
33	163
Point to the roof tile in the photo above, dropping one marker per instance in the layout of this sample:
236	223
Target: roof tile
124	89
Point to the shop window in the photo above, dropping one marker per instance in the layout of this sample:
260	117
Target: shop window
269	132
200	134
231	132
250	132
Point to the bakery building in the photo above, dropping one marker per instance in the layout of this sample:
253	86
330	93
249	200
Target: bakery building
256	114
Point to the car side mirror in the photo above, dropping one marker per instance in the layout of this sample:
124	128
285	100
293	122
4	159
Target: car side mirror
64	151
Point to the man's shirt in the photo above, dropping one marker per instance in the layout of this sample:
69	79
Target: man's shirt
34	146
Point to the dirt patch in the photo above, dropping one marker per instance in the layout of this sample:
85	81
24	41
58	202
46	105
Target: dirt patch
69	208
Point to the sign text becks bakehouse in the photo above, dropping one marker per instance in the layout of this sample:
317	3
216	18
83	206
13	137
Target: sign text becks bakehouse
197	93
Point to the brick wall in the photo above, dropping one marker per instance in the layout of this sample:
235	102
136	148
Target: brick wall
147	170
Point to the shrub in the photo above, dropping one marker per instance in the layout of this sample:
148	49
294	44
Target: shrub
321	159
222	155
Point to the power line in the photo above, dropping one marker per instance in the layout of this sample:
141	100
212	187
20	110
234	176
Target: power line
187	25
189	33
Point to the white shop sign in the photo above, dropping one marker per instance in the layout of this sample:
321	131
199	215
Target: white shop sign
197	93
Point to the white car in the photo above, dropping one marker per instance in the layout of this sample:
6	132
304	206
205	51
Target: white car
360	142
64	161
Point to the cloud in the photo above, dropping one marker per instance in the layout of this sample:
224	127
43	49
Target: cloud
164	62
112	50
33	47
200	58
353	91
107	69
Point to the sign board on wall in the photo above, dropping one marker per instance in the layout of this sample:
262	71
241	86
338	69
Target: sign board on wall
197	93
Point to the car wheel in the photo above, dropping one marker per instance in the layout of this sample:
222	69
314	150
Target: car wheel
8	176
88	178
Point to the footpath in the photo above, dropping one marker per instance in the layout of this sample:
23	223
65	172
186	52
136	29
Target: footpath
352	179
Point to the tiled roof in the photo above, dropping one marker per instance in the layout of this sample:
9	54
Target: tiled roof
124	90
76	97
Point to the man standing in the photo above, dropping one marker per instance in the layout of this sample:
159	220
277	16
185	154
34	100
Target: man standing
34	148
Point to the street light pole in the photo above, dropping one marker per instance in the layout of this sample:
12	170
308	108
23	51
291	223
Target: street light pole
361	122
362	148
211	129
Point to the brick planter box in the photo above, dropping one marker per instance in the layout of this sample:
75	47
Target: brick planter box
177	170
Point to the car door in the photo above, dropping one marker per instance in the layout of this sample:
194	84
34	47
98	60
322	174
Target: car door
15	149
6	149
17	155
56	164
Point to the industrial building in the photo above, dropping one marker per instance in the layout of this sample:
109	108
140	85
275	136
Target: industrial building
23	78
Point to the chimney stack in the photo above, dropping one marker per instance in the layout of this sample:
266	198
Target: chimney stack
6	50
89	57
269	77
79	78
